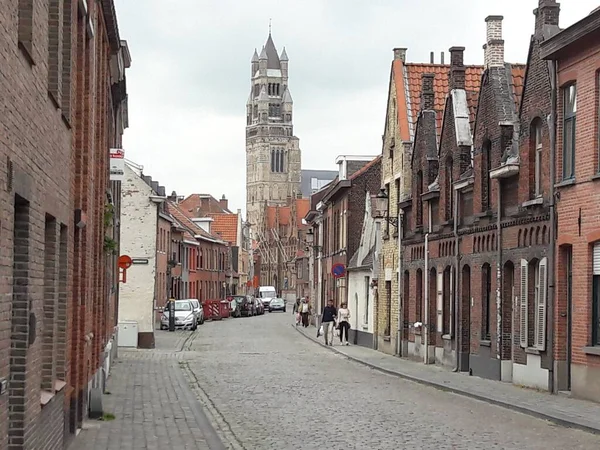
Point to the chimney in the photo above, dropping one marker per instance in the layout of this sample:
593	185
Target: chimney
442	58
400	53
547	13
173	197
431	58
223	202
494	48
457	68
427	94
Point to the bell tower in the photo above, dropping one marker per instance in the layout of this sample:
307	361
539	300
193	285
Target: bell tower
272	151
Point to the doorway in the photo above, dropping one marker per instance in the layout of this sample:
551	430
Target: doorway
464	323
569	267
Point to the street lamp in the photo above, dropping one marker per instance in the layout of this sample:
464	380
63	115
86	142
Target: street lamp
310	236
381	209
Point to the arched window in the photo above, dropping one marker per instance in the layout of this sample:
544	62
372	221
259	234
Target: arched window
419	200
448	189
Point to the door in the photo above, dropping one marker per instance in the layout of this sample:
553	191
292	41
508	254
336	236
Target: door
569	255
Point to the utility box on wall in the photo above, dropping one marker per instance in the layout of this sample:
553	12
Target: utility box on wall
128	334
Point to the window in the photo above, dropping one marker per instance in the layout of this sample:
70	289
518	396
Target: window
569	119
48	374
25	27
277	161
367	287
486	302
533	294
387	223
388	297
419	200
448	194
535	158
55	66
596	295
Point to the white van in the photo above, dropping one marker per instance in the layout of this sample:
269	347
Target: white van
266	293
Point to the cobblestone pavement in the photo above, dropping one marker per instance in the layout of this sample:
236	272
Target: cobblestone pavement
265	386
152	404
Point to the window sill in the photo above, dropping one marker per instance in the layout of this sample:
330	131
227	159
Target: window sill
565	183
533	202
395	235
447	337
485	343
59	385
387	338
532	351
596	177
27	50
592	350
365	327
386	237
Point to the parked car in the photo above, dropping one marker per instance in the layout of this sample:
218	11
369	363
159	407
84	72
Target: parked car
247	306
185	316
260	307
277	304
235	305
198	310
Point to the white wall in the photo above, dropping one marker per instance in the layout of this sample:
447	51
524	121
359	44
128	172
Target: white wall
139	216
362	316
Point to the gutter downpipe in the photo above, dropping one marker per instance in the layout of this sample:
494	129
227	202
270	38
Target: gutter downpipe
400	287
499	308
552	250
426	324
455	292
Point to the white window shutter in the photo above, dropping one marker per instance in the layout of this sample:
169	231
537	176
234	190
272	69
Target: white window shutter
540	316
523	301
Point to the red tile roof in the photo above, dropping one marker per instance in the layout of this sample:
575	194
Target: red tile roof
302	208
518	79
176	211
412	78
201	205
226	226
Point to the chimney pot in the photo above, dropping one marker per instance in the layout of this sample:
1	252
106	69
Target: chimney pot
442	58
547	13
400	54
457	68
431	58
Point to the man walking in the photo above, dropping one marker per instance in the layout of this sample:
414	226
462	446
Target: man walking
305	311
329	315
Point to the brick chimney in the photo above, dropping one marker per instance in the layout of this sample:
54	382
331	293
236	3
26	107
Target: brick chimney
173	197
400	53
457	68
427	93
547	13
223	202
494	47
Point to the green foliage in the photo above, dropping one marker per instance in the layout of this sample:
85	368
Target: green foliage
110	245
109	214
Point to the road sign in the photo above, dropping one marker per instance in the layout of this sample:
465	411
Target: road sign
338	270
125	262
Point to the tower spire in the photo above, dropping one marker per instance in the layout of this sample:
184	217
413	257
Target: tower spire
270	27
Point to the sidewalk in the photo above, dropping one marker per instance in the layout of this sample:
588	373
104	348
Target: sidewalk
152	403
562	410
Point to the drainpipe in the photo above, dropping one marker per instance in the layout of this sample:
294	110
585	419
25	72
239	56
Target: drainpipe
499	309
552	250
455	292
400	287
426	324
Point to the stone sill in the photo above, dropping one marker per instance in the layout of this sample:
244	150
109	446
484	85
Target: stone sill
387	338
485	343
533	202
592	350
532	351
565	183
447	337
365	327
596	177
45	397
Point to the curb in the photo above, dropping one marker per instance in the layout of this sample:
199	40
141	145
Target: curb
524	410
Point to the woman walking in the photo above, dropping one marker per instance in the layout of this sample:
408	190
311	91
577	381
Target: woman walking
343	320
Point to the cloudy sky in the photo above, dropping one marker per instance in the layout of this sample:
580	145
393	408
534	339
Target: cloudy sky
190	76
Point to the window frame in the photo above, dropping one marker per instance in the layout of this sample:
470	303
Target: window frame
538	147
569	117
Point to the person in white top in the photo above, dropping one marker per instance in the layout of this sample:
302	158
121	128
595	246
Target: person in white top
343	320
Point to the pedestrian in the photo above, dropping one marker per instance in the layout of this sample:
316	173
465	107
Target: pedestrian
328	322
296	312
343	321
305	312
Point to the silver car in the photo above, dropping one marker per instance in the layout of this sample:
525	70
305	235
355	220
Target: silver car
185	316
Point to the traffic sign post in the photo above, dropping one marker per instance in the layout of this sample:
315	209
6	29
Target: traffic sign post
171	314
338	271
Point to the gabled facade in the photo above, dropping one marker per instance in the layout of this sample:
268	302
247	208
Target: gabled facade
403	109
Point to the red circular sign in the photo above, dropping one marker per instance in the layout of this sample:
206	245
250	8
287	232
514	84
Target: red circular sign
125	262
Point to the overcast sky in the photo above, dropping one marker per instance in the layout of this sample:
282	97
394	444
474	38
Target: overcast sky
190	76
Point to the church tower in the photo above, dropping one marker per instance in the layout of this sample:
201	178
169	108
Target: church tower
272	150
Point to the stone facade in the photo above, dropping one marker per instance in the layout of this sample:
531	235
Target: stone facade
577	297
272	151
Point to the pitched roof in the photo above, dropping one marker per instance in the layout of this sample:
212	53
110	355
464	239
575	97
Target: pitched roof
517	82
200	205
225	225
410	88
272	56
193	229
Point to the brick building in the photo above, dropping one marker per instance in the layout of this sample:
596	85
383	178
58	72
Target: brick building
476	228
342	208
57	307
204	258
575	56
403	107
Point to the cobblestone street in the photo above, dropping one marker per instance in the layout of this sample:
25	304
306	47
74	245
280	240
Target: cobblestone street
255	377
